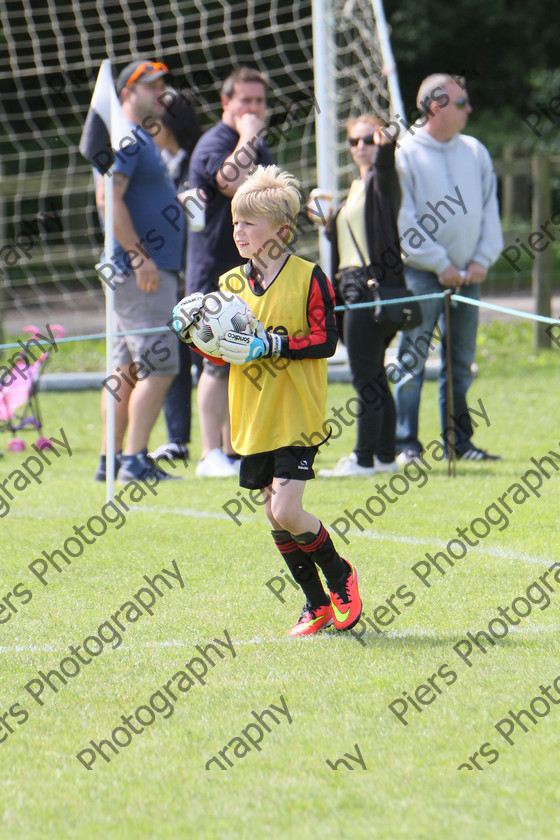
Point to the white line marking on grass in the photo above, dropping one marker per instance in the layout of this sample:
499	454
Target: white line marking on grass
415	633
492	550
196	514
411	633
508	555
65	511
180	643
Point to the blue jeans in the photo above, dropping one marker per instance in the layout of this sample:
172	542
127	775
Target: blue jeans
412	353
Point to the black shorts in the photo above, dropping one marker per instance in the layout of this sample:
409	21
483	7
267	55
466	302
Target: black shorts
295	462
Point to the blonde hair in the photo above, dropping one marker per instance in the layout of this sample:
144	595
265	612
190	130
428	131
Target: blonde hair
270	192
370	119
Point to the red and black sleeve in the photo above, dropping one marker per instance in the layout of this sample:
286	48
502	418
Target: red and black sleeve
321	343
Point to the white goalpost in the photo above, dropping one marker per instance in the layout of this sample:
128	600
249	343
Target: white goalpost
327	52
354	71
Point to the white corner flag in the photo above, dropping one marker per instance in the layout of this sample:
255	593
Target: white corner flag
105	124
104	128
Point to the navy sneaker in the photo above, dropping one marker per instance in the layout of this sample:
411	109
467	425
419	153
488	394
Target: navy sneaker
101	471
139	466
475	454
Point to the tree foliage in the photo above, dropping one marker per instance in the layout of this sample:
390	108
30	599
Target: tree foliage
507	49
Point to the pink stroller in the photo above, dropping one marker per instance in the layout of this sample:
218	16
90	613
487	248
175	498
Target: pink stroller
19	403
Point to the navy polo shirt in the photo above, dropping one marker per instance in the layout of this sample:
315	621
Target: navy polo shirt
150	190
212	251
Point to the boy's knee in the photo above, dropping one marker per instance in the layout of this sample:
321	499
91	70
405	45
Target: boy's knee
278	511
283	514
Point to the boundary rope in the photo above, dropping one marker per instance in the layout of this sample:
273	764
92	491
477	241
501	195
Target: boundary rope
456	298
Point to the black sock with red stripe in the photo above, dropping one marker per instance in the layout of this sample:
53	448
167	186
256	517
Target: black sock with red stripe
302	568
319	547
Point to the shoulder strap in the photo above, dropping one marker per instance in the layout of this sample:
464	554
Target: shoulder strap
355	241
371	280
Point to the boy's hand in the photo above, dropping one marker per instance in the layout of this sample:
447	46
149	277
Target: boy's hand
185	314
238	348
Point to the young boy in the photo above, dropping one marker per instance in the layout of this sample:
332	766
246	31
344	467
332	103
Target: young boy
277	406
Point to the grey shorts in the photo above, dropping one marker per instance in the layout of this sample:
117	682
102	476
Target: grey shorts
135	310
218	371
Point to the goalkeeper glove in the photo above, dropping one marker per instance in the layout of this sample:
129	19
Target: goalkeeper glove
238	348
186	313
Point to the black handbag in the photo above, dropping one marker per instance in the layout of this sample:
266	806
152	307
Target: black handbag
404	315
360	285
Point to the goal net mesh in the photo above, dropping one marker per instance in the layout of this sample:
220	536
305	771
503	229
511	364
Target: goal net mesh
52	50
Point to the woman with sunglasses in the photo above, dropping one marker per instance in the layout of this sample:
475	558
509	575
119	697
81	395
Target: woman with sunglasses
364	230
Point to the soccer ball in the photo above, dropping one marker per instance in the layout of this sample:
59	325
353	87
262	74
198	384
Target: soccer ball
207	318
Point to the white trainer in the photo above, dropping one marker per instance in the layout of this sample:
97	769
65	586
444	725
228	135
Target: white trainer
347	466
407	456
170	451
385	467
215	465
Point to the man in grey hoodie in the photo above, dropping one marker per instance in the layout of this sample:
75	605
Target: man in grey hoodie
450	234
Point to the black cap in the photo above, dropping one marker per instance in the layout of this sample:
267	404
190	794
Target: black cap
140	71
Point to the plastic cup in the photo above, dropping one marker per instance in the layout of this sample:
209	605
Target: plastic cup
195	209
320	206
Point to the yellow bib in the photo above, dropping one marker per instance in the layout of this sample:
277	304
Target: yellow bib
277	402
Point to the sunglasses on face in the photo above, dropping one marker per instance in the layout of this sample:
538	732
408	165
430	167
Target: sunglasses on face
144	69
369	141
461	103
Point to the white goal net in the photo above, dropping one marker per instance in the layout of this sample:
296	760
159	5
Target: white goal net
50	236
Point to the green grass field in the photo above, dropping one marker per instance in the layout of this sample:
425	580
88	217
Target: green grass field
404	781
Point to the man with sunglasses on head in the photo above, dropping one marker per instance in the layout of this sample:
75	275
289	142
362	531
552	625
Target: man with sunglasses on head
148	254
450	234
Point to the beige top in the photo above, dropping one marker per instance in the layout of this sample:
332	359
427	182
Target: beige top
353	212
